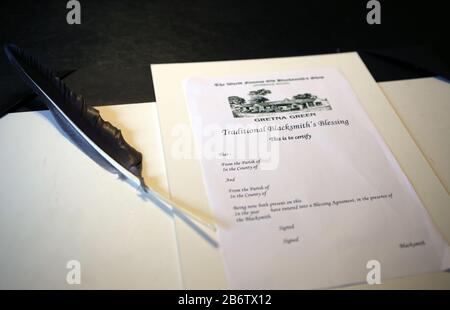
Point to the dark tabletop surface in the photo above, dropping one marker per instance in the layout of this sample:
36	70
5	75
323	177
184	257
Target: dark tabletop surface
117	41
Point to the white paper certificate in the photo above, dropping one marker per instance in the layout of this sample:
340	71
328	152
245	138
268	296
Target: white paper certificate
312	195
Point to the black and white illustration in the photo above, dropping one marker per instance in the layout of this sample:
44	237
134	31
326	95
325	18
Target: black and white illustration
258	103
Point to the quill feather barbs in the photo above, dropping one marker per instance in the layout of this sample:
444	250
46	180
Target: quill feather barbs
81	122
99	139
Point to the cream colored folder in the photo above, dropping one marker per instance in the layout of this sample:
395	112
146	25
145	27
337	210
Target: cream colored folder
57	205
423	105
201	263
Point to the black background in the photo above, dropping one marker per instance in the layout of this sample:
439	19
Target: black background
364	299
117	41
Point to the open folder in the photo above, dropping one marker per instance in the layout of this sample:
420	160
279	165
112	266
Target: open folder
186	178
57	206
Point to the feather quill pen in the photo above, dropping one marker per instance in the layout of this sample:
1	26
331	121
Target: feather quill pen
99	139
